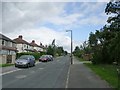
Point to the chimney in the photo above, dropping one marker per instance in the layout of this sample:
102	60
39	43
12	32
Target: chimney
20	36
33	41
40	44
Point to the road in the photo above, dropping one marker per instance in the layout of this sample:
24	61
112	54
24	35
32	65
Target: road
54	74
44	75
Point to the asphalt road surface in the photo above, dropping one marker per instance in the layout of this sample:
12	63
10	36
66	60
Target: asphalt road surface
51	74
54	74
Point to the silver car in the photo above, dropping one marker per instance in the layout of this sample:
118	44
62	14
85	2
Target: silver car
25	61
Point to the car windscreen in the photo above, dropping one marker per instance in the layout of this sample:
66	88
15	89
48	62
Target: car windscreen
44	56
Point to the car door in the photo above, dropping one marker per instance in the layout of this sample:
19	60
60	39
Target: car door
32	60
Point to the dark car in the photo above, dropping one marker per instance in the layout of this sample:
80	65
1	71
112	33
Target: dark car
25	61
44	58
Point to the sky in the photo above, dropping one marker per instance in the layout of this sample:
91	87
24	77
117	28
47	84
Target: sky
48	20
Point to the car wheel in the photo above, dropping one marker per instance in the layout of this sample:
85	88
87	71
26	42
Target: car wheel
15	65
34	64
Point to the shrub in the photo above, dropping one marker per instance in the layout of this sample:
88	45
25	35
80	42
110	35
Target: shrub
35	54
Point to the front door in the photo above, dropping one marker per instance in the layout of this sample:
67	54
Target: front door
9	58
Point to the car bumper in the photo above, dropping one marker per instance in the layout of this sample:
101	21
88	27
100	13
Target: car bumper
20	65
44	60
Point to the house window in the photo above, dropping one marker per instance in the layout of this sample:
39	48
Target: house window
4	52
12	53
21	48
27	46
3	42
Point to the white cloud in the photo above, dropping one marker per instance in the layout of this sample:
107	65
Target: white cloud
46	36
24	18
17	16
56	0
102	0
65	20
93	20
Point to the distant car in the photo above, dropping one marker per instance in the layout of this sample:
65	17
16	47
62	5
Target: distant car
45	58
51	57
25	61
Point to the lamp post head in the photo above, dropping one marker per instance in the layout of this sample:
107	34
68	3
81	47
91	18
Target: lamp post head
68	30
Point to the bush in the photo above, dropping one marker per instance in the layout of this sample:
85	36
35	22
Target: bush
97	57
35	54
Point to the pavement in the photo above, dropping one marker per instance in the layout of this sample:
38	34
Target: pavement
81	76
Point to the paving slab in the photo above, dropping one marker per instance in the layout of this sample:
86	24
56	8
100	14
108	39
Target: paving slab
80	76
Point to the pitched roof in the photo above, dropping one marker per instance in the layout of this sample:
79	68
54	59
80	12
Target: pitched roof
34	44
5	38
20	40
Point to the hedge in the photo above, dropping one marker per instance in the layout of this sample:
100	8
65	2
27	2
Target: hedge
35	54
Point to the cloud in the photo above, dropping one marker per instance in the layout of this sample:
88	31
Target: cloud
56	0
17	16
46	36
29	19
65	20
25	15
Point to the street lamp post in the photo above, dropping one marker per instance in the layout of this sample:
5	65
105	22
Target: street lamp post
71	45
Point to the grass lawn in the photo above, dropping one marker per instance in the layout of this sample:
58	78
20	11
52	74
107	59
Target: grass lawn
106	72
5	65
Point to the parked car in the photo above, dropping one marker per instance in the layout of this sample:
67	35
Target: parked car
25	61
45	58
51	57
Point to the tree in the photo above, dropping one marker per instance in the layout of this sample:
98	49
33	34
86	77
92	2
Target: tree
50	50
114	21
105	42
77	52
59	51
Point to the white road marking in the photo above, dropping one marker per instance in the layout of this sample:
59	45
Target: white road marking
9	72
41	68
21	76
67	78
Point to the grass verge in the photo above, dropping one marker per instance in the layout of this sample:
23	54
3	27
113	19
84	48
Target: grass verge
6	65
106	72
80	59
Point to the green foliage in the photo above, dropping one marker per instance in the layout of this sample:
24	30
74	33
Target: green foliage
65	52
51	50
59	51
54	50
105	42
106	72
77	52
6	65
35	54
